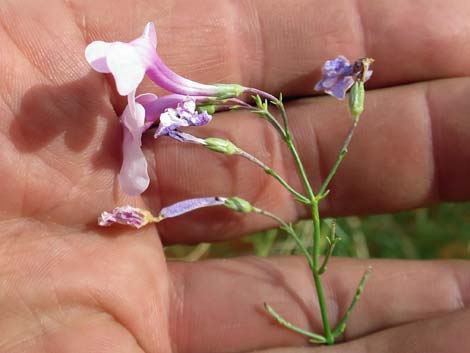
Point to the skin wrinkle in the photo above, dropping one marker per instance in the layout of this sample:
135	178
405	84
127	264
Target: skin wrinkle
361	28
24	53
177	312
259	43
339	293
436	194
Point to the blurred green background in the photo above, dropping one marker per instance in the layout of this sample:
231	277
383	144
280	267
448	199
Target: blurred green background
441	231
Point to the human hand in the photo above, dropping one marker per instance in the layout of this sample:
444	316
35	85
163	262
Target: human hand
68	286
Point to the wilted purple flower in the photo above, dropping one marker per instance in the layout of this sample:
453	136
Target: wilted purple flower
143	112
184	115
339	76
126	215
129	62
138	218
186	206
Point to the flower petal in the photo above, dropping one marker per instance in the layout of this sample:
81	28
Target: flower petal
96	53
185	206
127	67
146	99
133	177
341	86
185	137
154	106
133	117
151	34
169	121
126	215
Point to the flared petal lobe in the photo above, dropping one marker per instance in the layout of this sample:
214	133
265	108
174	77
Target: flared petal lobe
133	177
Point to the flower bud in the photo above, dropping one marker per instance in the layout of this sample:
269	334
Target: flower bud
239	205
356	99
221	146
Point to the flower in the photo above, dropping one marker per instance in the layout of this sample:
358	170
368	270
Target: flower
126	215
234	203
339	75
139	115
189	205
184	115
133	176
143	112
138	218
129	62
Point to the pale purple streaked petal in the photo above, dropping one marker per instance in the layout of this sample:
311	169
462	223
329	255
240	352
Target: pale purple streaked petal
184	115
126	215
185	206
341	86
185	137
169	121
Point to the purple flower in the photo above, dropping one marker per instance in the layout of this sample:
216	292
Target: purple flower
138	218
339	76
184	115
129	62
140	114
126	215
186	206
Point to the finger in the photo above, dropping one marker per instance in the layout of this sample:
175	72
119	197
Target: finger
444	334
217	305
410	150
269	45
275	47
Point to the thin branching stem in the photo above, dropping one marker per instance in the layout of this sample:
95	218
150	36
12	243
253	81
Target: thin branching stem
275	175
342	154
360	288
288	228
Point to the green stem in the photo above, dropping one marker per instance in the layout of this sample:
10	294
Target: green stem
342	154
313	336
272	119
280	104
360	288
333	240
275	175
316	234
289	231
330	339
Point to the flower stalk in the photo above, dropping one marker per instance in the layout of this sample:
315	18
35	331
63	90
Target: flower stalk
194	104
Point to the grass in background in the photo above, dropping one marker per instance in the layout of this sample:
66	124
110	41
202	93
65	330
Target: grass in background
438	232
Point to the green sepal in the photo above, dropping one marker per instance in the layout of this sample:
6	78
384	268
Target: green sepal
221	146
356	99
229	90
238	204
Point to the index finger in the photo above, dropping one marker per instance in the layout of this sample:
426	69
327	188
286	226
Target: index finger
276	46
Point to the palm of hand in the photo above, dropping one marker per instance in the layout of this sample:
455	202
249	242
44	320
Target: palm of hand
71	287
